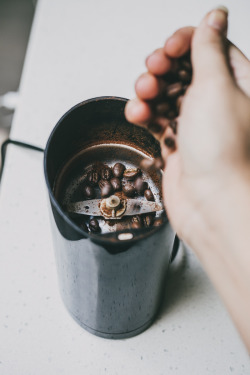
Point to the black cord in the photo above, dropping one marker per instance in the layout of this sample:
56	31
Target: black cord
16	143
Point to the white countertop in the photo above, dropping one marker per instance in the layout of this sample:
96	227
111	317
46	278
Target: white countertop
78	50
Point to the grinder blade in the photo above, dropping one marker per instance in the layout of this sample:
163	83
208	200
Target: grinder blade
133	207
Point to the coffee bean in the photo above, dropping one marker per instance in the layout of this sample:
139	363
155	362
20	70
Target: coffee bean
159	163
84	226
149	195
140	185
94	225
131	173
89	192
106	188
162	108
136	225
186	64
146	164
128	190
174	89
170	143
93	177
148	220
158	222
179	102
106	173
172	76
169	104
154	128
137	218
171	114
116	183
136	222
185	89
173	125
118	170
184	76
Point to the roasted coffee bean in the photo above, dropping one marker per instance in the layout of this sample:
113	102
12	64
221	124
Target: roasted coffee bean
184	76
186	64
93	177
89	192
159	163
118	170
148	220
174	89
154	128
162	108
185	89
116	183
131	173
146	164
84	226
137	218
171	114
172	76
170	143
128	190
179	102
173	126
140	185
158	222
94	225
106	188
136	222
149	195
106	173
136	225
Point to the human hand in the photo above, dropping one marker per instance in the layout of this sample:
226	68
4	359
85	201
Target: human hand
212	145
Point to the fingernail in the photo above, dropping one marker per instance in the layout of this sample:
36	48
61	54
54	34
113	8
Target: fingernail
218	18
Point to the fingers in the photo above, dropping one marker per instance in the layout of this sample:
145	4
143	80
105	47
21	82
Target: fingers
148	86
138	112
209	52
161	60
180	42
158	63
241	68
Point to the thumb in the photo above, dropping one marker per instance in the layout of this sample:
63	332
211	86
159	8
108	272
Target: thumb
209	51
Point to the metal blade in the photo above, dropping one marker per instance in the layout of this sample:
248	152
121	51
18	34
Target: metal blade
134	207
138	206
90	207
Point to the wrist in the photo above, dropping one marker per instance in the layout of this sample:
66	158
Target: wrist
224	219
222	245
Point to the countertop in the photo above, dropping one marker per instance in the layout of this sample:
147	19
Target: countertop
79	50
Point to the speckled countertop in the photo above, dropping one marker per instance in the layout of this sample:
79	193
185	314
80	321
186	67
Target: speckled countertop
78	50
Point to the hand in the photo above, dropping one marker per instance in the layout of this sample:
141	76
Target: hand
206	182
213	140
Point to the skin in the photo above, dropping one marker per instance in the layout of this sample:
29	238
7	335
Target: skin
206	181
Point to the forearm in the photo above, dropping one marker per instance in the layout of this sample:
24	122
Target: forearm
223	247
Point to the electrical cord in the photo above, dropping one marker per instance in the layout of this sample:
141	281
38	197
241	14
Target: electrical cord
16	143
